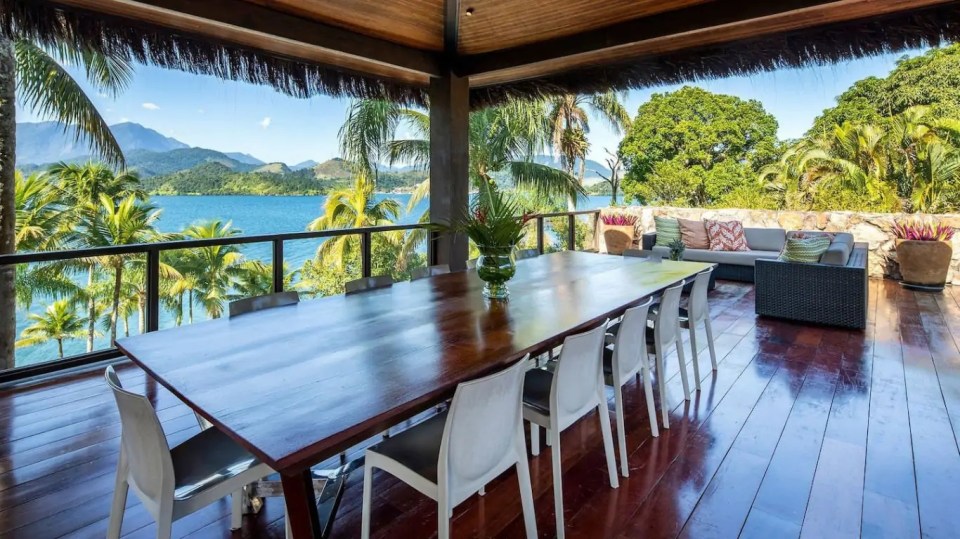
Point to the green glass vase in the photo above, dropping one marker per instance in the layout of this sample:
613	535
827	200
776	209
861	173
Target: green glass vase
496	266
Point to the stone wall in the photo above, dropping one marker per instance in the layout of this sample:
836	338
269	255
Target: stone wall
874	229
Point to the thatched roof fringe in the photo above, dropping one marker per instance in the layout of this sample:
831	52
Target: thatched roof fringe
823	45
43	22
47	24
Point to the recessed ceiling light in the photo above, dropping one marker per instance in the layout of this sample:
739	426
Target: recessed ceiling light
469	11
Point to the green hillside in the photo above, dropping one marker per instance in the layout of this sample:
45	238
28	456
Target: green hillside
149	163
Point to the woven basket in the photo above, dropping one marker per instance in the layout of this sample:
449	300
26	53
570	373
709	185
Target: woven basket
618	238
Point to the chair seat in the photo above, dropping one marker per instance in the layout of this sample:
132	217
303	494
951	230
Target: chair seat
614	329
207	459
417	448
684	315
536	390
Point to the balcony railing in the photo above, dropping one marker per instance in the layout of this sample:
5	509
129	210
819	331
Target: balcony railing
152	252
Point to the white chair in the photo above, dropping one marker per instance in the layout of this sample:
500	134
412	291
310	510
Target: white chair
698	311
260	303
666	331
628	358
172	483
556	400
453	455
430	271
368	283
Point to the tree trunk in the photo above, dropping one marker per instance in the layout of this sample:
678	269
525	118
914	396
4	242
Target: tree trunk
60	347
190	297
141	312
180	309
8	145
117	283
91	310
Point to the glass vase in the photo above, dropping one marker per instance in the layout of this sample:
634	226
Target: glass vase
496	266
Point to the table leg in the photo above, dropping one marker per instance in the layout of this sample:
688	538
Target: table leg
301	505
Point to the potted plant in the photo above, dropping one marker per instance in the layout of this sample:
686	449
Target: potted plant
495	223
619	230
676	249
924	253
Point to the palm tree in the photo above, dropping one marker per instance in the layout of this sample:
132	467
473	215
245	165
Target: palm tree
117	223
45	86
570	124
211	271
351	208
58	323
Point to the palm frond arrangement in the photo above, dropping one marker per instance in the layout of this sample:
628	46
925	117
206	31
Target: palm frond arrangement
916	229
494	220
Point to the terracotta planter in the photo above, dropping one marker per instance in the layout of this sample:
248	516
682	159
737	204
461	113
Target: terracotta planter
618	238
924	263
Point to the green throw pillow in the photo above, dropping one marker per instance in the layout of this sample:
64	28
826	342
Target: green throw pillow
668	230
806	250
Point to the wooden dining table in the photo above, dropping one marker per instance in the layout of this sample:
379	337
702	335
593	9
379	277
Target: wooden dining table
296	385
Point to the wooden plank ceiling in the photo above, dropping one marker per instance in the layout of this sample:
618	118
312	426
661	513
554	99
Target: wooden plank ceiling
497	41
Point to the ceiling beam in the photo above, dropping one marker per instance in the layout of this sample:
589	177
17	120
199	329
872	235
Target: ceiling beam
270	24
688	19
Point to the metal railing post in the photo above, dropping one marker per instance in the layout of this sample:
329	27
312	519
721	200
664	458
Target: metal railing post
540	234
571	233
277	266
153	289
366	258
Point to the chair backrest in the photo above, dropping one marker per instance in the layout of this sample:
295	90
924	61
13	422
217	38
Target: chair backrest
578	375
483	423
472	264
698	307
430	271
523	254
368	283
143	443
639	253
259	303
631	344
666	326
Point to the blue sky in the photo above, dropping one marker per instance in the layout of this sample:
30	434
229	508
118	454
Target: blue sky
237	117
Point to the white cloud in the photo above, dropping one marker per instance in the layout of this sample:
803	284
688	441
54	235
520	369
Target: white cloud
150	106
265	122
124	120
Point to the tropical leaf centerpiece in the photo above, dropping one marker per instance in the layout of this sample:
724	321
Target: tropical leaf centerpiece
495	223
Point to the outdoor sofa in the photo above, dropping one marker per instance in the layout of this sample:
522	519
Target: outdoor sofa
832	291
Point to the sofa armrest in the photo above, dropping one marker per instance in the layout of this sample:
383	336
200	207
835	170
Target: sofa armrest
648	240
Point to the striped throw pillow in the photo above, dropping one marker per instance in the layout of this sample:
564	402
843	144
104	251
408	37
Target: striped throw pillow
804	250
668	230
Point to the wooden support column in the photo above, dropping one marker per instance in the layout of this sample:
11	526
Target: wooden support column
449	161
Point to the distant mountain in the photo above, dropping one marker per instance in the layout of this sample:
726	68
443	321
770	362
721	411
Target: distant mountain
46	142
310	163
215	178
158	163
332	168
244	158
273	168
590	173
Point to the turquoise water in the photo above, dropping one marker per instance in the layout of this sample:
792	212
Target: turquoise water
250	214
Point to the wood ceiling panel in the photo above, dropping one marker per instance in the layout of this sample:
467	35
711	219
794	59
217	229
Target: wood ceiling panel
501	24
415	23
840	11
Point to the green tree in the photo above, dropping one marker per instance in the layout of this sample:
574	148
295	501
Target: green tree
57	323
570	124
213	270
694	130
121	222
37	73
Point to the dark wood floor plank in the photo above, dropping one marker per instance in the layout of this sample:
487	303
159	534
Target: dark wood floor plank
867	422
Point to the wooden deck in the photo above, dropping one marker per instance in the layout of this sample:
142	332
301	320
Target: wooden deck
802	431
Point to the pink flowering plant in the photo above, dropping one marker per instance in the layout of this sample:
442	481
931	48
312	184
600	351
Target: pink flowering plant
916	229
618	219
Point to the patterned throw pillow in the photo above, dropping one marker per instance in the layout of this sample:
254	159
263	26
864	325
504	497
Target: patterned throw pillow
805	250
726	236
668	230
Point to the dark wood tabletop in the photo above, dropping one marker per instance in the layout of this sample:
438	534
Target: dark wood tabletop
297	384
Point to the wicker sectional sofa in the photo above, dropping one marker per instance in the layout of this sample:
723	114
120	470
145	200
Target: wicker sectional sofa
832	292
